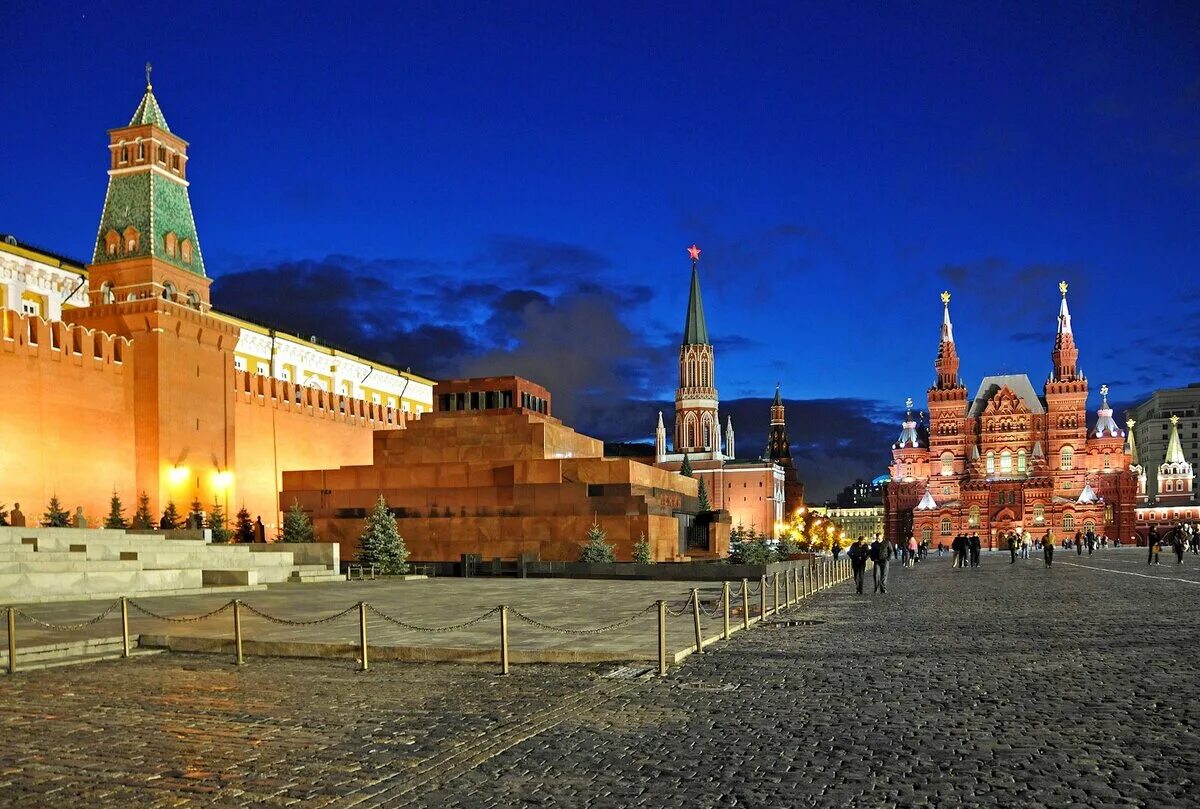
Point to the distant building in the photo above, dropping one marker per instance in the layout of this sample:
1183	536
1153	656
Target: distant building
857	521
861	493
756	492
1008	458
1157	437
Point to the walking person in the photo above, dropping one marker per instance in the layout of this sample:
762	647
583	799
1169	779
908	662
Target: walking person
1090	539
1151	545
1026	543
975	546
858	563
1048	548
885	551
1012	548
912	551
1078	544
1179	547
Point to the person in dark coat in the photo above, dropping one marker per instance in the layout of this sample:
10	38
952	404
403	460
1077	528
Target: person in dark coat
959	547
858	562
884	553
260	530
1179	546
1152	545
975	546
1078	544
1090	539
1012	548
1048	548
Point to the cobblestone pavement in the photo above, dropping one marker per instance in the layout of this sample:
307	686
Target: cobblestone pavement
1007	686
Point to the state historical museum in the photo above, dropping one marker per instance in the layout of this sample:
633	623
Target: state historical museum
1009	459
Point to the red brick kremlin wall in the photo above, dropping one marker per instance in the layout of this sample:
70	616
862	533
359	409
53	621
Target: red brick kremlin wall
163	412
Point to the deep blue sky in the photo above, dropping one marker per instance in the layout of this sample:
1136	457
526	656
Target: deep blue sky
464	189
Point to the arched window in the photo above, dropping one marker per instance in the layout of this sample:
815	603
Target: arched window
1039	513
1068	522
707	434
141	150
973	518
1067	458
927	533
193	299
1005	462
185	250
106	293
169	291
1021	461
690	429
1088	525
124	153
991	462
945	526
947	464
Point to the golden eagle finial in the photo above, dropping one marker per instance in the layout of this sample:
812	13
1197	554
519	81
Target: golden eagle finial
1062	287
946	298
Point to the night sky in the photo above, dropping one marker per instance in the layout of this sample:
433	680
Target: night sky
470	189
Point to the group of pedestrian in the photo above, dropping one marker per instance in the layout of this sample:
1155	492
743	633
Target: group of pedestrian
966	548
1183	537
881	552
1019	543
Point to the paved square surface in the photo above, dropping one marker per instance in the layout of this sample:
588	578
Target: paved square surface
1007	686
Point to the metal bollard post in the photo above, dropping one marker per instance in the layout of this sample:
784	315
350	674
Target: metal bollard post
362	634
762	597
787	588
12	640
124	626
776	588
725	601
237	631
662	638
745	603
696	617
503	639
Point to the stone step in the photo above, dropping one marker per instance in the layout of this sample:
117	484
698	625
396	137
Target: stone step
48	598
35	564
71	653
309	576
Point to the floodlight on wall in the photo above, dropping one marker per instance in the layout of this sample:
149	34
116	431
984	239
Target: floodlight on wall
177	475
223	480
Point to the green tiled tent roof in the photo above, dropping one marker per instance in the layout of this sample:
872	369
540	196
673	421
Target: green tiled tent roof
695	329
148	112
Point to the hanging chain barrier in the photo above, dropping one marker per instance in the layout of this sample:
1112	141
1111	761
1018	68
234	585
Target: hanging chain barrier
804	582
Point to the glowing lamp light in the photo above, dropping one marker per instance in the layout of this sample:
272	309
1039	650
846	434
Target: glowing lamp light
223	480
177	475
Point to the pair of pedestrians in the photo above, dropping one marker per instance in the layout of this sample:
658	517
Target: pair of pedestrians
881	552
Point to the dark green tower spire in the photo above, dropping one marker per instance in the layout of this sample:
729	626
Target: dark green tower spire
695	329
147	212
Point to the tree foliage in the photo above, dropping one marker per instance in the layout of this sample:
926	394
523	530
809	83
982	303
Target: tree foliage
195	517
116	513
703	496
380	543
297	527
142	518
218	522
686	468
170	517
641	551
597	551
243	530
56	516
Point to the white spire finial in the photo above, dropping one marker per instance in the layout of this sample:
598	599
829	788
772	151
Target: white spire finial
1064	314
149	86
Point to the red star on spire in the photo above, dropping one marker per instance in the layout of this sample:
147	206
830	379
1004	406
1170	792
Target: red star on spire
694	252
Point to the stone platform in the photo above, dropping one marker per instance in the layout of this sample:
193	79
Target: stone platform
56	564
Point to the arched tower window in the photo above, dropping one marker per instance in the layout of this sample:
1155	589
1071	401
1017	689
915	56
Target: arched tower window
947	464
1067	458
707	434
193	299
169	291
1005	462
973	518
689	428
1069	522
991	462
106	292
945	526
1021	461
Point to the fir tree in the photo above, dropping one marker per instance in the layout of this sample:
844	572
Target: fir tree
244	530
736	536
142	518
685	469
296	525
116	513
170	518
195	517
641	551
703	495
380	543
217	522
56	516
597	551
786	547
